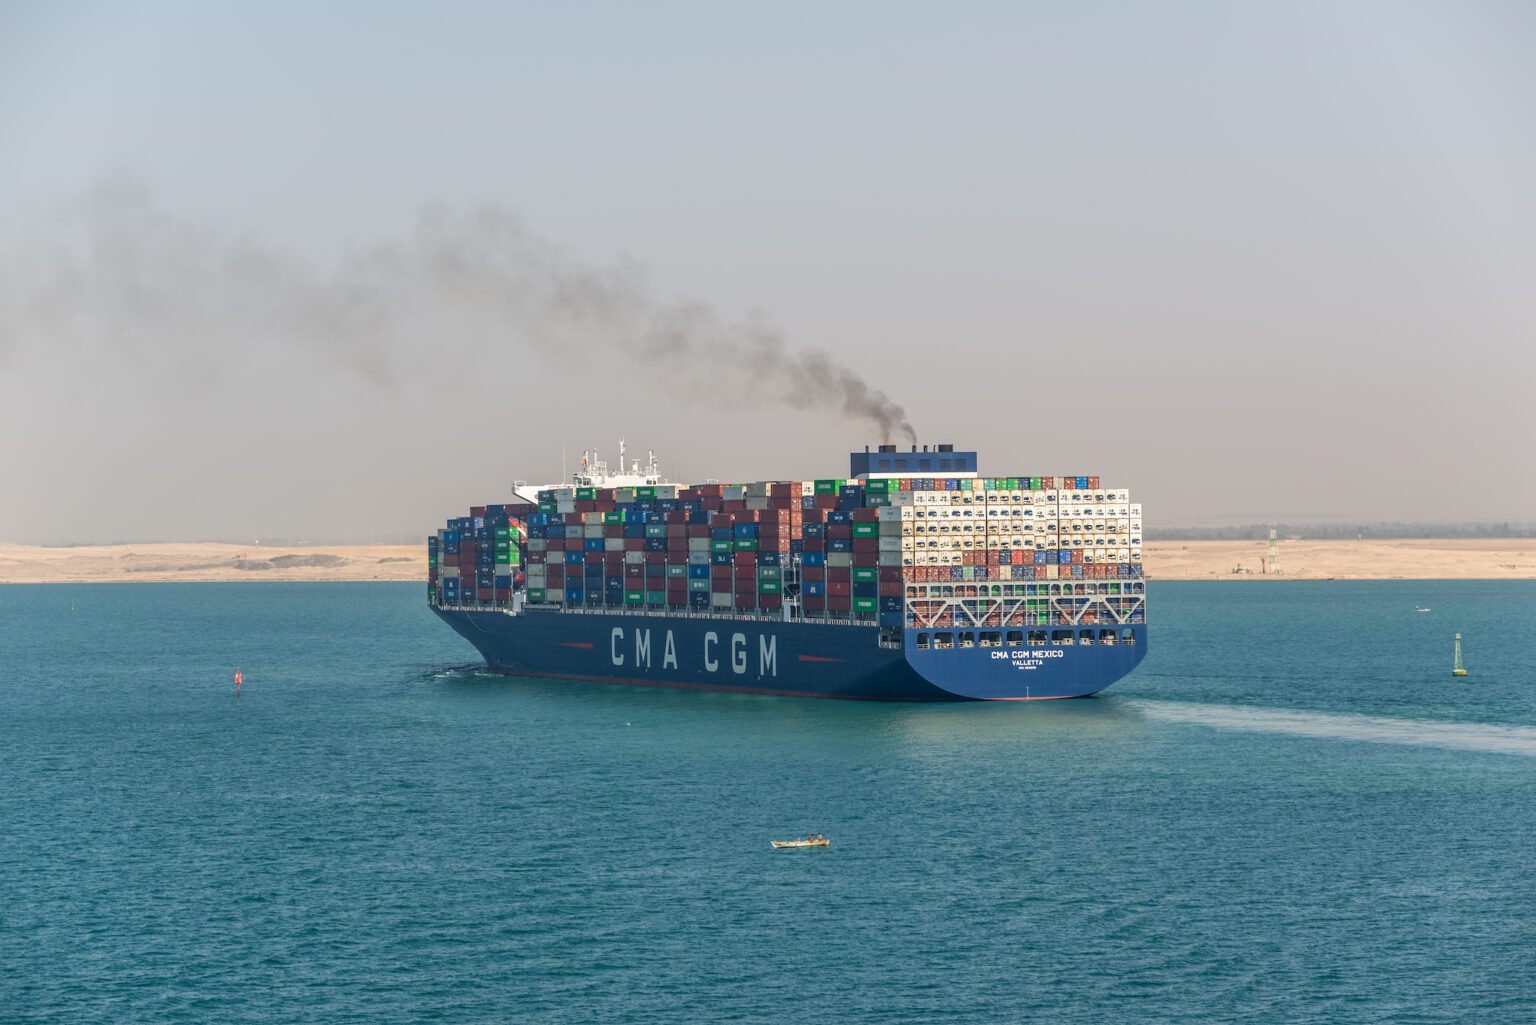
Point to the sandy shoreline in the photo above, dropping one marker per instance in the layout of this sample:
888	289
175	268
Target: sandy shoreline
25	564
1415	559
1459	559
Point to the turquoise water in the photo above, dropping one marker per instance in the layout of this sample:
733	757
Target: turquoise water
1291	813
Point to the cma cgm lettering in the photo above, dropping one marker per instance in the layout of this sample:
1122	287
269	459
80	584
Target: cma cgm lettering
739	645
916	578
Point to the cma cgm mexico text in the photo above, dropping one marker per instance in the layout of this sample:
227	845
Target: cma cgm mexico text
915	579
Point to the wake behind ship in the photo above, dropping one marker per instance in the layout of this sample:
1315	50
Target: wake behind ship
914	579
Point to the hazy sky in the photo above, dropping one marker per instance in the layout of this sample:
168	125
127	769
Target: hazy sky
339	270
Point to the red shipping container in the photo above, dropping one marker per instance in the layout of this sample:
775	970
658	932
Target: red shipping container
891	573
891	589
814	602
813	573
839	588
769	601
450	560
555	573
866	515
720	573
839	603
483	593
477	510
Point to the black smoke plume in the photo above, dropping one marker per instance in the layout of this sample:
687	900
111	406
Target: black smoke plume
116	269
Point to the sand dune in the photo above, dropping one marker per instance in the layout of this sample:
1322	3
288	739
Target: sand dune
22	564
1512	559
1417	559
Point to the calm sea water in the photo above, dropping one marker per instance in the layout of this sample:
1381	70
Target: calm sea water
1291	813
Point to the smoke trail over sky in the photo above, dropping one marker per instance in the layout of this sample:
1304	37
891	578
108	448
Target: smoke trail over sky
115	269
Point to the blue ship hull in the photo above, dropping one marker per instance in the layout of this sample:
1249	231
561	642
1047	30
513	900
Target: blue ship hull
793	659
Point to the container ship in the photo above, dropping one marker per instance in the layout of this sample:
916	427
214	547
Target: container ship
913	579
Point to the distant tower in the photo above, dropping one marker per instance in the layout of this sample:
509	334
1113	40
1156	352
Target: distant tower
1274	551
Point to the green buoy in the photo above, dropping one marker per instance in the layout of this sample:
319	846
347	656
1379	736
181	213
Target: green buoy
1458	669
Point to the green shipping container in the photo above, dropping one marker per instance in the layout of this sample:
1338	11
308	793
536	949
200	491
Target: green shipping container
1034	483
645	492
828	487
866	530
865	574
745	544
585	494
767	587
432	561
864	604
614	518
675	572
655	530
768	573
634	597
655	597
719	546
698	585
536	595
879	485
549	507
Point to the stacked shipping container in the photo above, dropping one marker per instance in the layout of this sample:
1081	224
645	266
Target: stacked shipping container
478	559
904	552
1014	552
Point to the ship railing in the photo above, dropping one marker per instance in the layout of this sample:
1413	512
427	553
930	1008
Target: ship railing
670	613
667	613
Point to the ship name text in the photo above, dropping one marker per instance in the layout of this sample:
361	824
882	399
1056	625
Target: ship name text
720	652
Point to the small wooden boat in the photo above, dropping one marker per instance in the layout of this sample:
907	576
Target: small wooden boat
780	845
